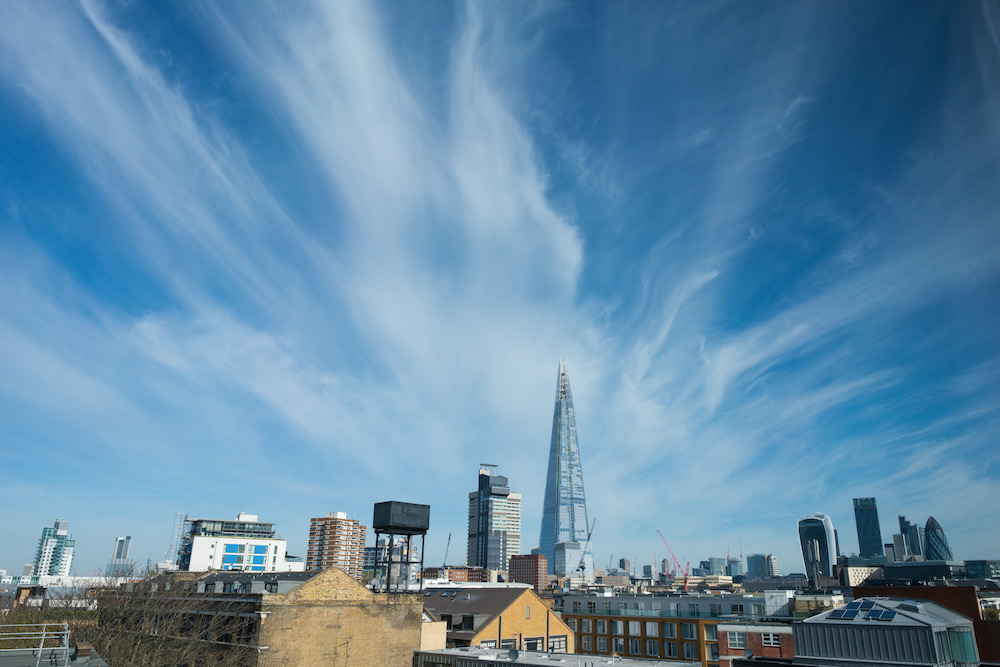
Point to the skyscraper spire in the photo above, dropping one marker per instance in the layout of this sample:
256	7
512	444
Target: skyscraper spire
564	513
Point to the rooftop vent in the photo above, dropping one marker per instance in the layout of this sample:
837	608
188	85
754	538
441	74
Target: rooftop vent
910	605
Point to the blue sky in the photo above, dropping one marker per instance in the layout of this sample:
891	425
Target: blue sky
292	259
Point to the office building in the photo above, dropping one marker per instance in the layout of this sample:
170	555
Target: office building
762	566
869	532
564	538
914	534
818	545
734	567
245	544
937	544
337	541
529	569
625	565
494	522
54	555
119	565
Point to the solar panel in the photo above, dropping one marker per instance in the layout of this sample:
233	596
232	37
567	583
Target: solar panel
836	613
888	615
853	605
851	614
867	604
874	614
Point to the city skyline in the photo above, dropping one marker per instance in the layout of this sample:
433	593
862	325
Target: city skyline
333	251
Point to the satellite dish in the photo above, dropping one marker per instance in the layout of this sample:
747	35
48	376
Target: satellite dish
512	654
748	653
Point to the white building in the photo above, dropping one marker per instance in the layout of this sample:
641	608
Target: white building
245	544
54	556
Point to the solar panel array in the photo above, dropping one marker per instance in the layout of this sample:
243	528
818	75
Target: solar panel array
852	610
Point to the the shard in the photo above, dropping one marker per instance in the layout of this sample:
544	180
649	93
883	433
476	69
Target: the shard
564	538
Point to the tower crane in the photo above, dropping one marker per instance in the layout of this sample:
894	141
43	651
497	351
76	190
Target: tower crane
582	567
446	547
677	565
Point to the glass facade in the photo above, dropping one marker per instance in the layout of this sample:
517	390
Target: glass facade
869	532
564	512
818	544
937	544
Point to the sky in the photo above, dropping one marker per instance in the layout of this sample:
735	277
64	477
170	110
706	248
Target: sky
290	259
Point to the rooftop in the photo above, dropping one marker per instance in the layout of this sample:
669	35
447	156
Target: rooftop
892	610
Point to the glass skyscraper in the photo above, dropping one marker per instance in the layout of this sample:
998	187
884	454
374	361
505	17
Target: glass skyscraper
937	544
494	522
914	537
818	545
869	532
565	527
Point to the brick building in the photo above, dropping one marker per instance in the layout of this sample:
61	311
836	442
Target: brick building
531	569
763	640
336	541
258	620
458	574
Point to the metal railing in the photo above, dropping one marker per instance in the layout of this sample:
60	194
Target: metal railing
47	643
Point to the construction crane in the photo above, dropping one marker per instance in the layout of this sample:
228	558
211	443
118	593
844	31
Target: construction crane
446	547
582	567
677	565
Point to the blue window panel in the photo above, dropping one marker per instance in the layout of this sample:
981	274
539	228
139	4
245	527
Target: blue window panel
260	549
232	548
258	560
257	568
231	560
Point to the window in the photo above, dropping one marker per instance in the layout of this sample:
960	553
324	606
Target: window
715	609
534	643
557	643
711	632
576	605
737	640
652	648
652	628
591	607
713	652
227	587
584	625
527	612
490	643
601	626
758	610
602	644
693	611
506	643
271	587
245	587
690	651
619	645
736	609
585	642
770	638
210	588
617	628
635	628
670	649
633	646
571	622
670	630
689	630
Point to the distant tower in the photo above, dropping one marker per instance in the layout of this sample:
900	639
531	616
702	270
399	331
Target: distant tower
337	541
869	532
54	555
818	545
937	544
494	522
563	539
914	537
119	565
760	566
